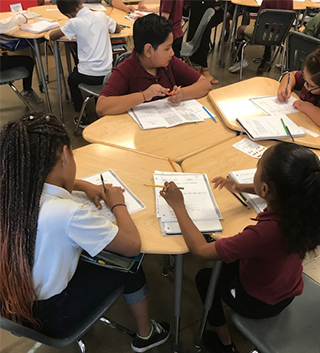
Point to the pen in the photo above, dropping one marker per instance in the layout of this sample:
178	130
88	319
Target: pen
172	165
104	187
289	133
238	198
159	186
207	111
288	83
123	26
284	126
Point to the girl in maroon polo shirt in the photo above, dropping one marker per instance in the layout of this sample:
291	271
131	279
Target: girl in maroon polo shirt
262	271
307	82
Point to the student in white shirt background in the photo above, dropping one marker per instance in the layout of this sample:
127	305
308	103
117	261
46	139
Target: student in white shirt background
91	30
12	61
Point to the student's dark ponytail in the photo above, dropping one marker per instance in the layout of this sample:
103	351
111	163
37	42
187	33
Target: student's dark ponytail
293	174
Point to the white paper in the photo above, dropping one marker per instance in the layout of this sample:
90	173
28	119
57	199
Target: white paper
309	132
233	110
134	15
95	7
164	114
131	200
272	106
246	177
269	127
250	148
198	198
39	27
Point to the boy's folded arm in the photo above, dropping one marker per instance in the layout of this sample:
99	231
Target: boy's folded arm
118	104
56	34
198	89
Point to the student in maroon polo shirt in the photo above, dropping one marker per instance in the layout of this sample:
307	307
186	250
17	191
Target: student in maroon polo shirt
151	72
171	10
262	271
307	82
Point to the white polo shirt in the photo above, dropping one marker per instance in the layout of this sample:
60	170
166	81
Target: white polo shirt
94	46
65	227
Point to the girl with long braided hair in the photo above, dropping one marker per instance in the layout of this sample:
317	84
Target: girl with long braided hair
43	232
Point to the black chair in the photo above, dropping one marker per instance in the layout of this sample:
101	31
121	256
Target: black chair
295	330
93	91
271	29
7	77
74	334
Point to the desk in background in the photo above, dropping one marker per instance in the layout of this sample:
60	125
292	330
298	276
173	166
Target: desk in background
230	101
178	142
135	169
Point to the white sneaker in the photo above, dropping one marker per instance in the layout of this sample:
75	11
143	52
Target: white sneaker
236	66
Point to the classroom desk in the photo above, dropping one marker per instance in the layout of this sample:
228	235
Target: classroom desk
52	12
33	40
232	101
178	142
136	169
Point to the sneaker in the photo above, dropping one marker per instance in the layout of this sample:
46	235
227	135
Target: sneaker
31	97
236	66
160	334
84	121
214	345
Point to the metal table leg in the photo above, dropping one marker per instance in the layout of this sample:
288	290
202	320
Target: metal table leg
222	31
42	75
177	300
231	39
57	60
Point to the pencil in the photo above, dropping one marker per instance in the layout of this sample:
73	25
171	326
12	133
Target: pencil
172	165
288	83
159	186
171	93
104	187
238	198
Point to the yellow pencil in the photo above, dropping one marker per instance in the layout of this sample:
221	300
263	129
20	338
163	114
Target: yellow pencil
172	165
159	186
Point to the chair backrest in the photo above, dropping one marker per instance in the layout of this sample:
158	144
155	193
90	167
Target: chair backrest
73	335
295	330
195	41
11	75
122	57
272	27
299	46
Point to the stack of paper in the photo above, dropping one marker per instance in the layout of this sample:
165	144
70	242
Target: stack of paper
246	177
131	200
269	127
162	113
40	27
198	198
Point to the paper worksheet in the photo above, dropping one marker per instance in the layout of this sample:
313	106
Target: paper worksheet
95	7
135	14
131	200
162	113
250	148
198	198
246	177
272	106
39	27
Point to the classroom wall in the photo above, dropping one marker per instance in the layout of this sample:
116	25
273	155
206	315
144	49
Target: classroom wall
5	4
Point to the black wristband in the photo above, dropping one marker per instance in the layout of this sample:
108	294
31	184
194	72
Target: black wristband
118	204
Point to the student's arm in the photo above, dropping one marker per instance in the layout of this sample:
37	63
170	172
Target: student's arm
112	105
142	7
283	92
10	23
232	186
118	4
309	109
118	28
56	34
197	90
194	239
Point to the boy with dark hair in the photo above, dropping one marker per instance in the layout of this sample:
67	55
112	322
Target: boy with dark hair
91	30
151	72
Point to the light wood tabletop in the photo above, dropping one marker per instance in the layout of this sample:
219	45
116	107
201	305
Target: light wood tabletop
232	101
220	161
178	142
312	4
134	169
297	5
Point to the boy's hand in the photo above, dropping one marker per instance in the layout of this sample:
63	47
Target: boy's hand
172	195
113	196
177	95
131	8
155	90
229	184
284	93
142	7
302	106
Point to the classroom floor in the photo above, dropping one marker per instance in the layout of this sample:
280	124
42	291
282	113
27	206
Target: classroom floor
102	339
